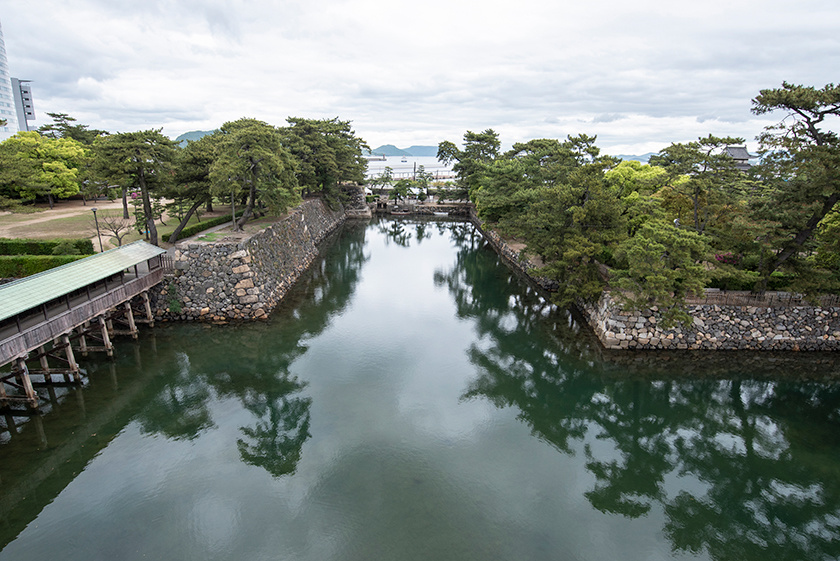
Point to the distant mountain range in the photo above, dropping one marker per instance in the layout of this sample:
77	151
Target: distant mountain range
431	151
643	158
191	135
391	150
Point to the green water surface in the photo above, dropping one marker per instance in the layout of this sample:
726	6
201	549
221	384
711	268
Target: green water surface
414	399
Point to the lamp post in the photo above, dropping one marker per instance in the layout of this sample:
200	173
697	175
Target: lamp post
95	219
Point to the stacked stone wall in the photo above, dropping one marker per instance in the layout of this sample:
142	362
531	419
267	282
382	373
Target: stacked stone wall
514	258
714	327
222	281
792	328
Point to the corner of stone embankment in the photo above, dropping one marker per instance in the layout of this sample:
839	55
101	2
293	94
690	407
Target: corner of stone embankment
714	327
244	280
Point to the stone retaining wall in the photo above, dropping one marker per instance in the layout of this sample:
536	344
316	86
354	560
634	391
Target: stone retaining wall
221	281
794	328
514	258
715	327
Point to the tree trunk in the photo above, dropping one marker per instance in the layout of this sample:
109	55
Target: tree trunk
795	245
151	230
252	195
252	198
125	202
233	211
209	207
174	237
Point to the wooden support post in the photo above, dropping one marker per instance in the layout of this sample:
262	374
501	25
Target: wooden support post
45	365
147	304
82	340
132	327
106	340
110	323
71	359
31	396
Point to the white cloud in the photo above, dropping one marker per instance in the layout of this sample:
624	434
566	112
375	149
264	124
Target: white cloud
638	75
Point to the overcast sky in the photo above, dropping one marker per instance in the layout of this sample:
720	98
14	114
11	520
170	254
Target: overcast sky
640	75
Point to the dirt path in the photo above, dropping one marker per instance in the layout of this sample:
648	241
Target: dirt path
9	222
74	219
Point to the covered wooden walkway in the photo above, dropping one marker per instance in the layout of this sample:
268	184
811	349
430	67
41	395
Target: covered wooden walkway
81	304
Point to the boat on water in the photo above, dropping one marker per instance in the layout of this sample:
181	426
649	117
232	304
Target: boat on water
404	159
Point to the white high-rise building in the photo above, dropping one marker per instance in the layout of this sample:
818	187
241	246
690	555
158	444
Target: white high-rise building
23	103
7	100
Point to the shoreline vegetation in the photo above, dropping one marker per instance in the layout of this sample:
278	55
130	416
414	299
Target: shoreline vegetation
656	235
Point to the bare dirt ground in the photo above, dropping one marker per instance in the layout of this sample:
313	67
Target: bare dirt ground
11	222
68	219
74	219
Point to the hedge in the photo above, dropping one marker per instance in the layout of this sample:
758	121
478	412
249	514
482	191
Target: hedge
777	281
41	247
19	266
201	226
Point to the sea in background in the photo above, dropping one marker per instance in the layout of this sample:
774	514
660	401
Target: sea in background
404	167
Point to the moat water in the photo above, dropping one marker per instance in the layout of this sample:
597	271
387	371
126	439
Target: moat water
414	399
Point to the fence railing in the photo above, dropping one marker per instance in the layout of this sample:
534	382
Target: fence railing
167	263
766	300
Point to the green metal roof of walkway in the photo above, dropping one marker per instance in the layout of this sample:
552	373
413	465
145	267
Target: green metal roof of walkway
24	294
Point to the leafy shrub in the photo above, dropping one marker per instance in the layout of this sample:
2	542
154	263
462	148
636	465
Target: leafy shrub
747	280
201	226
66	247
14	205
174	302
43	247
19	266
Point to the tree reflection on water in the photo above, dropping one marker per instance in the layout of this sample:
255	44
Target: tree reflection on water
259	376
741	458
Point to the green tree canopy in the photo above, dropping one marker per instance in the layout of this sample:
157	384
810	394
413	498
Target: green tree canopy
479	150
701	173
63	127
663	265
35	166
800	167
630	175
327	152
192	185
139	160
251	161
